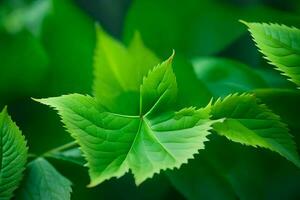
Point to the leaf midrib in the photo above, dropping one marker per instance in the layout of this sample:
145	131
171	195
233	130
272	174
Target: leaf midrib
276	40
143	120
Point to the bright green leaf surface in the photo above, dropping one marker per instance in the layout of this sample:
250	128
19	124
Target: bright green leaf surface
13	156
251	123
119	72
42	181
159	89
280	45
145	144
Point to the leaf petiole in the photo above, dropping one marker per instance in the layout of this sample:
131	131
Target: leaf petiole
60	148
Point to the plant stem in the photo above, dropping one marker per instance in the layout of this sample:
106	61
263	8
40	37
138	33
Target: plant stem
61	148
31	155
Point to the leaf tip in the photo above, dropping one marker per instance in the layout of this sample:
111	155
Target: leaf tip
244	22
98	27
42	101
4	110
170	59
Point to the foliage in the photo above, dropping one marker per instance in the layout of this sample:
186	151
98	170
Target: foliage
184	127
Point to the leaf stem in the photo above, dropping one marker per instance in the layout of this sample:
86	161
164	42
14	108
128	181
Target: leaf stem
31	155
61	148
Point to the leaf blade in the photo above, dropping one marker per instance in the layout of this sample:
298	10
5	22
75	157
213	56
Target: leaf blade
159	89
13	155
100	133
280	46
43	181
119	71
260	127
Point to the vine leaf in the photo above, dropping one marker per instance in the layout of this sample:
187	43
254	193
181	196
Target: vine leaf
251	123
43	181
281	46
13	156
113	143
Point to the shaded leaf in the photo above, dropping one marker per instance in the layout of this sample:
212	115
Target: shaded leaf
251	123
224	76
42	181
71	155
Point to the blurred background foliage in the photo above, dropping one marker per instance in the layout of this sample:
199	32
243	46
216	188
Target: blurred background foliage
46	49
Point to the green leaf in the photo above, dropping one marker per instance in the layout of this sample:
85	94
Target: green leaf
144	145
236	172
119	72
159	89
13	156
69	48
280	45
251	123
43	181
224	76
132	63
147	143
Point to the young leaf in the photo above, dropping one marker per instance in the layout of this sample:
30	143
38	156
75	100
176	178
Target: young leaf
42	181
159	89
280	45
119	72
153	141
251	123
13	156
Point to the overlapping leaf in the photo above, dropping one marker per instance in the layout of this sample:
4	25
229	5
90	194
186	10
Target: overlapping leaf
280	45
42	181
114	143
13	156
131	124
117	81
251	123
